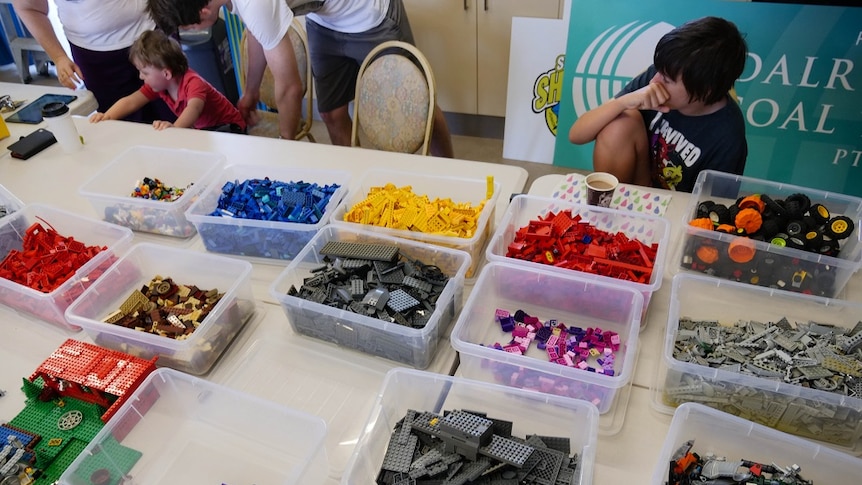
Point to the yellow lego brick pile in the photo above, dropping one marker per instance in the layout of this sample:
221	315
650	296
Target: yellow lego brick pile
399	208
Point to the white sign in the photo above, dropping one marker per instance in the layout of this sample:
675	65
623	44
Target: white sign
536	59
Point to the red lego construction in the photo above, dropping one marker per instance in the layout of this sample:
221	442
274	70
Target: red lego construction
93	374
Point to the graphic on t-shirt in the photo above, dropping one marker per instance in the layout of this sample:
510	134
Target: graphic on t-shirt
670	152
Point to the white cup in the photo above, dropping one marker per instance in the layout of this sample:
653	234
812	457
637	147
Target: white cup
600	188
60	123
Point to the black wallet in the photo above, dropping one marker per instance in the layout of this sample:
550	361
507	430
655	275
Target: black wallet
32	144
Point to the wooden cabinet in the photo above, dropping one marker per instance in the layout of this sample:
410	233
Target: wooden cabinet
467	44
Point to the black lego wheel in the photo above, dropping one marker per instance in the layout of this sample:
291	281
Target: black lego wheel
820	213
795	228
813	240
829	247
797	205
772	205
703	209
839	227
719	214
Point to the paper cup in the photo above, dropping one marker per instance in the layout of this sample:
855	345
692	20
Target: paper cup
600	188
60	123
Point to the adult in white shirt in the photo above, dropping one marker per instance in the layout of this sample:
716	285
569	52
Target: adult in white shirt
340	34
100	33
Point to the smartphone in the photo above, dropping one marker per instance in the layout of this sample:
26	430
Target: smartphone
32	113
32	144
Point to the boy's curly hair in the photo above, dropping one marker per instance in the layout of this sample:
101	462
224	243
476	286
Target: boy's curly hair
170	15
708	53
154	48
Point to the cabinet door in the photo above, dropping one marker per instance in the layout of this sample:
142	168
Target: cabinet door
494	38
445	31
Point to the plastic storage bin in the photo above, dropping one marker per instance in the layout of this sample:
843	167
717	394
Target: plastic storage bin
813	413
779	267
8	202
108	191
571	300
321	382
191	431
647	229
254	238
51	306
197	353
460	190
530	413
734	438
412	346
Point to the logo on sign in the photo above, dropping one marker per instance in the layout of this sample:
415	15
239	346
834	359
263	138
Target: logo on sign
612	59
546	94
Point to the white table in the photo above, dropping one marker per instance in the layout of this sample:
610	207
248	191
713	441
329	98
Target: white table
53	177
630	455
83	106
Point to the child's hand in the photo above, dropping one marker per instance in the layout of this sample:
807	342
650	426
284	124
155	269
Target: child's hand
97	117
652	96
161	125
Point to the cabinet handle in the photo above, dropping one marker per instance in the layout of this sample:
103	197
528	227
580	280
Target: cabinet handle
486	5
466	7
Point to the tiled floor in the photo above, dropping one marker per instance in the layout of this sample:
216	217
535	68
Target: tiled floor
466	147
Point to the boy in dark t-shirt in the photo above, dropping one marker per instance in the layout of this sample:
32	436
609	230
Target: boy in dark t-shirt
678	117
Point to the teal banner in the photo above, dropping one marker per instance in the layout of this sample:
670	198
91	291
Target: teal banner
800	91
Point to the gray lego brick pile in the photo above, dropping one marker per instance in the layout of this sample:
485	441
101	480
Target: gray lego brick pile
463	447
375	281
822	358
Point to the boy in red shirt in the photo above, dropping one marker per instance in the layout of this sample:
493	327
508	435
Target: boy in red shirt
166	74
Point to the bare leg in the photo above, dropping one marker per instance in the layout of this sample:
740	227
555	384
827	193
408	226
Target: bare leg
441	140
621	149
339	125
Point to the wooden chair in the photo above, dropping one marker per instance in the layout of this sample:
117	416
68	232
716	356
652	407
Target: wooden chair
268	124
395	100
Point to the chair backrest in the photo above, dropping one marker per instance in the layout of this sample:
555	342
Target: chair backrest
299	40
395	99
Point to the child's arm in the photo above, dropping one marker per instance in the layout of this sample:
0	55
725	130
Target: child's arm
187	118
587	127
122	108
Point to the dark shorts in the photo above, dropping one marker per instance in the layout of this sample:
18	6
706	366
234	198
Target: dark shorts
336	56
111	76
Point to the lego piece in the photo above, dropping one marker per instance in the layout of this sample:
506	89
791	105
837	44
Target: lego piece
69	398
567	242
163	307
273	200
507	451
551	462
403	291
804	354
400	301
46	259
464	433
571	346
399	208
372	252
399	456
155	189
687	467
504	460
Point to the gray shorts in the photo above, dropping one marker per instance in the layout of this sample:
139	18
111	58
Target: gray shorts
336	56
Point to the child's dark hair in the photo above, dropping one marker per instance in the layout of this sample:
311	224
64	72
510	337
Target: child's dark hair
154	48
170	15
708	53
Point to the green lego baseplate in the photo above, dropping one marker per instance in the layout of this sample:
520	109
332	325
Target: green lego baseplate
64	427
